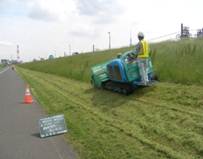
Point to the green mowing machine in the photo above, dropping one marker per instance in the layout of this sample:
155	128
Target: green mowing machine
121	74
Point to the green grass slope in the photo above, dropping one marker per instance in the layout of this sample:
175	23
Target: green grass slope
1	66
163	121
173	61
76	67
179	61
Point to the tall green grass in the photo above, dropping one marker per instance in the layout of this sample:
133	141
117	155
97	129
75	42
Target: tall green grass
180	62
76	67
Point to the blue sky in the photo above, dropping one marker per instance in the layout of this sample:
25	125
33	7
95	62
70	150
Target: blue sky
43	27
12	8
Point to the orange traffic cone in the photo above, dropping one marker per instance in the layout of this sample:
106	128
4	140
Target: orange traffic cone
28	97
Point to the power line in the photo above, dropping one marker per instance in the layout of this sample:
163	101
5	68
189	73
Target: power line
163	36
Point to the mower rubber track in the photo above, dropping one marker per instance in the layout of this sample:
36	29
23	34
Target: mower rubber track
123	88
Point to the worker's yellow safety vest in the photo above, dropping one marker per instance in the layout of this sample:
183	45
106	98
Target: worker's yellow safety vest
145	50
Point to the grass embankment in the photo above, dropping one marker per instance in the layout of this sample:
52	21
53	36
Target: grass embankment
173	61
180	62
1	67
75	67
164	121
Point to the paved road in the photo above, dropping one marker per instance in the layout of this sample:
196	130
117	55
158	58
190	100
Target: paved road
19	133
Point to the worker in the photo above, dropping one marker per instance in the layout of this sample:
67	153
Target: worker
142	51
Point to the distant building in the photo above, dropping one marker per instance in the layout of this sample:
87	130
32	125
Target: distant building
5	62
185	32
51	57
75	53
200	33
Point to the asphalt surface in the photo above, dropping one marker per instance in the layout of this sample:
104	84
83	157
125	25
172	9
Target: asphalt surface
19	132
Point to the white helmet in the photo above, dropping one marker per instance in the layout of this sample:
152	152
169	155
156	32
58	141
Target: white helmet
140	34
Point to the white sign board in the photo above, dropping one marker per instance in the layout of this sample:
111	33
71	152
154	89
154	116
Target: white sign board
52	126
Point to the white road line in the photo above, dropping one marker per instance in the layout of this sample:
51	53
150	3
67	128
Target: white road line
4	70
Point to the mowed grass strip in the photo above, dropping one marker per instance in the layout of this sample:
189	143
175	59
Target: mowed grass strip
156	122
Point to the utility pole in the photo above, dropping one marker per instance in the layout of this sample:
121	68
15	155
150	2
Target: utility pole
93	48
11	57
130	37
18	54
54	52
181	31
69	48
109	40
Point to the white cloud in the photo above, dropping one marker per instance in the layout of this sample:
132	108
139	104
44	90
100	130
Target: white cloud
42	27
38	13
6	43
102	11
97	7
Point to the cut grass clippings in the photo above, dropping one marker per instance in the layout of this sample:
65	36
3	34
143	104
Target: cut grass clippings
163	121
